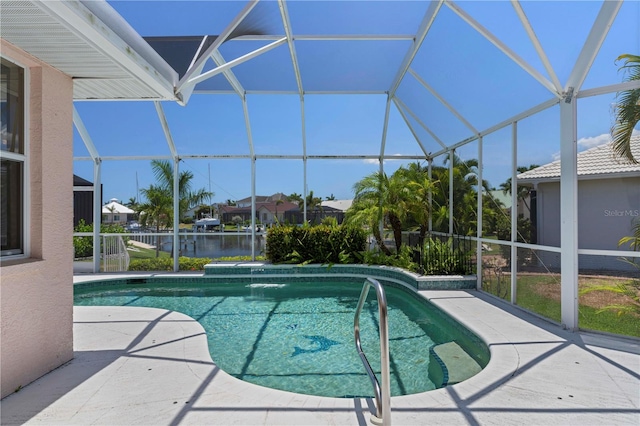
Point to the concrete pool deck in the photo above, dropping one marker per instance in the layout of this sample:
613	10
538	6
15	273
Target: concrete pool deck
151	366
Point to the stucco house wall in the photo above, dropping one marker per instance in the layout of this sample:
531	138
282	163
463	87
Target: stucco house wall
606	209
36	294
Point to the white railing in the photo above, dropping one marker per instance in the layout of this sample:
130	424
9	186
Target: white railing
114	254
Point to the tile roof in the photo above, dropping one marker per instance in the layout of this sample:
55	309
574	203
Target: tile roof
597	161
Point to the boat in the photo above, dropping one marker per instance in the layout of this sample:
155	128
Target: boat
206	224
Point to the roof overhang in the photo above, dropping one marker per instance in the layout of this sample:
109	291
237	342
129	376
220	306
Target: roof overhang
92	43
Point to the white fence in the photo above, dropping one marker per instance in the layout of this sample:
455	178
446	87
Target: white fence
114	254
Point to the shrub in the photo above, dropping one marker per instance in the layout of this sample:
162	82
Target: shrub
166	264
403	259
315	244
83	246
441	258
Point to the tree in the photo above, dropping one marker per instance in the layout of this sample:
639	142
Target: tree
157	210
330	197
133	205
380	199
295	198
188	198
278	202
626	109
313	204
416	180
465	183
522	191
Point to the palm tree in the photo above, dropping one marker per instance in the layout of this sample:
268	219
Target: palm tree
278	202
465	181
313	204
416	180
133	205
379	199
157	210
163	172
627	109
522	191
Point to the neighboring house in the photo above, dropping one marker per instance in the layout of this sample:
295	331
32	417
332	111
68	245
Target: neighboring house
260	199
115	213
82	201
608	203
266	211
52	53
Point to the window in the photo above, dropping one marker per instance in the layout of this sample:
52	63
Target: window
12	159
116	218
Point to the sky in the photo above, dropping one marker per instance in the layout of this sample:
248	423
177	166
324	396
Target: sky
476	79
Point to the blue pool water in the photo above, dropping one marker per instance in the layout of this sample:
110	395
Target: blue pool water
299	337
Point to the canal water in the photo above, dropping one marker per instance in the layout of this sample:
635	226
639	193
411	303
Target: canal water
216	245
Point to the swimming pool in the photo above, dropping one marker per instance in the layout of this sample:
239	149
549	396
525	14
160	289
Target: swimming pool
299	336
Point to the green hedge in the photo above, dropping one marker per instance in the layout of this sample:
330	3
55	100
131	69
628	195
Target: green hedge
166	264
83	246
315	244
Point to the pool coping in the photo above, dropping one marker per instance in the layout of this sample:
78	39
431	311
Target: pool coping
538	374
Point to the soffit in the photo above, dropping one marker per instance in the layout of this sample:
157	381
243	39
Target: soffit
76	41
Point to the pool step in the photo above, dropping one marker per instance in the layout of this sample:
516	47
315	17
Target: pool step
455	364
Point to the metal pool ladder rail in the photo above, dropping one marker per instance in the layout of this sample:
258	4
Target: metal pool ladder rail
382	393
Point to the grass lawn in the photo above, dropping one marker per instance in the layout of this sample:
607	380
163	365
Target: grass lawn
540	293
144	253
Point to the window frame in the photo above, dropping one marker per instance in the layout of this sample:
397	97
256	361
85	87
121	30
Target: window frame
24	158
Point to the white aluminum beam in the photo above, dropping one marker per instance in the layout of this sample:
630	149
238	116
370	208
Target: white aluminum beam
284	13
244	58
613	88
536	44
590	49
503	47
196	68
292	92
258	156
304	155
411	129
514	211
443	101
518	117
165	129
126	157
479	225
452	154
430	194
97	213
330	37
421	34
252	152
84	134
176	215
385	127
421	123
228	74
569	215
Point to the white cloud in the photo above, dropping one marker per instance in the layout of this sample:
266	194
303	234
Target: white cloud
592	141
375	160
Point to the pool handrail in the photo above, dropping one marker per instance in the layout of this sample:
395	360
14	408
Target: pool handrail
382	393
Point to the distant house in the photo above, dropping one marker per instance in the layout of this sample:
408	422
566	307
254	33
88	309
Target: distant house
260	199
267	212
82	200
115	213
608	203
